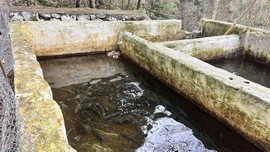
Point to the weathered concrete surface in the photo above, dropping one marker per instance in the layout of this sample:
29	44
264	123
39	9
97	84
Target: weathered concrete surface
243	105
60	38
214	28
257	45
255	41
41	123
208	48
81	69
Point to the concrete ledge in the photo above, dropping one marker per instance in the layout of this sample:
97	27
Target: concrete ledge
61	38
243	105
213	28
208	48
40	120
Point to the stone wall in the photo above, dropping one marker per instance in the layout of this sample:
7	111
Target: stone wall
243	105
71	14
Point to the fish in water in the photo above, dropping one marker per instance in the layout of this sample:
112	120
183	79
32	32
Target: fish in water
97	134
82	127
86	115
113	115
132	139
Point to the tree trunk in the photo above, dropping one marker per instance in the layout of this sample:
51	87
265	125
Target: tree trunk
214	9
92	4
139	4
77	3
128	5
230	10
122	5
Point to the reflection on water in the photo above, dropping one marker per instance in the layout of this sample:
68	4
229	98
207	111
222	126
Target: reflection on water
245	68
132	111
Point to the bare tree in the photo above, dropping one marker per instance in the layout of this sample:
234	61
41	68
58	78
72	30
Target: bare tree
139	4
214	8
128	5
230	11
92	4
77	3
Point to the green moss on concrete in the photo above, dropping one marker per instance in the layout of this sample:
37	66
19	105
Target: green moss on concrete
242	106
207	55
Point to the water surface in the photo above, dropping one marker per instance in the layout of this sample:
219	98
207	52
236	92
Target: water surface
246	68
112	105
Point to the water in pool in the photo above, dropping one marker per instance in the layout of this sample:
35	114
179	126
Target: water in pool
246	68
112	105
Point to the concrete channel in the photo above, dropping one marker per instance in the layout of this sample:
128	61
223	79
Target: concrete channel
157	47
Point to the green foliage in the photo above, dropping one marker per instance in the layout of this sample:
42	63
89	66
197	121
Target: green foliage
43	2
162	9
33	18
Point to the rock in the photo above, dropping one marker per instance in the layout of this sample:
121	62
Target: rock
54	15
124	17
45	15
54	19
65	17
111	18
92	17
101	16
26	16
73	17
83	18
97	20
16	17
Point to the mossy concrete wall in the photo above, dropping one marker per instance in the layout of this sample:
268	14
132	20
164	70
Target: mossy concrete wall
243	105
40	120
61	38
255	42
214	28
208	48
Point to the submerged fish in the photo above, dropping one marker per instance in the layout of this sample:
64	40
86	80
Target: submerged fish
132	139
82	127
113	115
97	134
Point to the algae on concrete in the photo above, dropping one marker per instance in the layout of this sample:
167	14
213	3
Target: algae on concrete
40	120
244	107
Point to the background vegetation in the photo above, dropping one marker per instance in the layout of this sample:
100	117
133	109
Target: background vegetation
189	11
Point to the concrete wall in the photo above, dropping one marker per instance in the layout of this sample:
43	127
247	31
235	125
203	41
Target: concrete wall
60	38
257	45
255	41
208	48
213	28
243	105
40	120
42	124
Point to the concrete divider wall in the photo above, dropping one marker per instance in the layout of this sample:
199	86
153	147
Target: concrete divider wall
255	41
242	104
60	38
208	48
257	45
